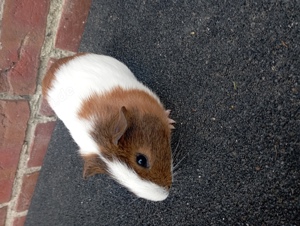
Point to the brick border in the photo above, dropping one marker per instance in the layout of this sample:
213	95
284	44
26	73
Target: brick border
52	29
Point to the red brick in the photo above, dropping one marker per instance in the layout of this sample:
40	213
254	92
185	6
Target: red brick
3	212
71	25
7	176
19	221
14	117
28	185
42	136
22	36
45	109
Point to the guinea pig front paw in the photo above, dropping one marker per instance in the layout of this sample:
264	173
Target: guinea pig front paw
171	121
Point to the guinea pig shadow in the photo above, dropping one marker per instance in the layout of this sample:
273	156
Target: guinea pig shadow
148	211
115	200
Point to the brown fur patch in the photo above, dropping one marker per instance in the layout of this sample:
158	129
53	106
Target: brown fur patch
131	99
50	75
147	131
93	165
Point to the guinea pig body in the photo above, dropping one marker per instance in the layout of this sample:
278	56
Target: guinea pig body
120	125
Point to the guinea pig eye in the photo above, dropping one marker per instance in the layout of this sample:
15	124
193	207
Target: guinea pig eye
142	160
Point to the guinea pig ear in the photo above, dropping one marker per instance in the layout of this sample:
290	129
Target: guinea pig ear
119	126
92	165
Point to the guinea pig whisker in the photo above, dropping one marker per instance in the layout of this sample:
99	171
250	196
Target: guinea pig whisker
177	173
134	200
178	163
176	150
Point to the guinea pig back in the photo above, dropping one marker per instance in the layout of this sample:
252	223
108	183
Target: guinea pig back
120	125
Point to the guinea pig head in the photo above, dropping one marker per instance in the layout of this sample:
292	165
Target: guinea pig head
135	150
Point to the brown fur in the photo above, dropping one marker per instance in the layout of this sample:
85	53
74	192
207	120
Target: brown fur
50	75
92	165
147	131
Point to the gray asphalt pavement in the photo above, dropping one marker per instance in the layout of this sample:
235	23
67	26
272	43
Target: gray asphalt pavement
230	72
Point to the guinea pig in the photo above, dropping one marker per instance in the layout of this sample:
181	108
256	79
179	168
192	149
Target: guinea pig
120	125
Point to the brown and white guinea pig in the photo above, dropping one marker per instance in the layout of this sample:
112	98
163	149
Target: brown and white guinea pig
120	125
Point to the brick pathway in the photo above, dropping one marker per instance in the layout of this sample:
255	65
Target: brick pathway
33	34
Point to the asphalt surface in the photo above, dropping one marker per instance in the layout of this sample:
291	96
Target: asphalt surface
230	72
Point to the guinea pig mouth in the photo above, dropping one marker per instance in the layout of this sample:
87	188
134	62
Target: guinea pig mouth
133	182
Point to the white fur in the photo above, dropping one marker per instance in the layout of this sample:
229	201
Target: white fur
129	178
77	80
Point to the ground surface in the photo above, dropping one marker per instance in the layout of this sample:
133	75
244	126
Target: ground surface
229	70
